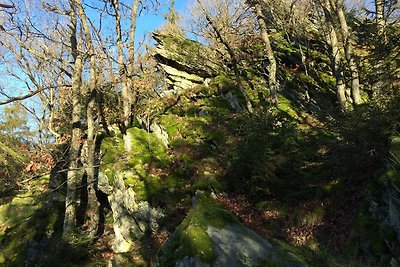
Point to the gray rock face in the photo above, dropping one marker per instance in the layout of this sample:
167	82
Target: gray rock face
233	101
131	219
237	245
192	262
387	206
187	63
211	236
181	80
126	229
35	251
160	133
384	206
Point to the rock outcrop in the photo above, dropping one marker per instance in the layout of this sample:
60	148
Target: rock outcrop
121	179
211	236
384	210
187	63
131	218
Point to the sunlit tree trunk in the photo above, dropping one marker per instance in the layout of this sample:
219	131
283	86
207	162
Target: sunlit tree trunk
131	52
126	70
338	69
123	74
231	53
337	64
93	204
74	152
268	50
336	48
348	49
380	16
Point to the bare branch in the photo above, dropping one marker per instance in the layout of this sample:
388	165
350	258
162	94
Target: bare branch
7	5
31	94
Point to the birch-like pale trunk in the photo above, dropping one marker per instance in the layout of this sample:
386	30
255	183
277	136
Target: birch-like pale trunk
75	147
123	72
380	16
273	85
93	204
348	49
131	51
338	69
336	58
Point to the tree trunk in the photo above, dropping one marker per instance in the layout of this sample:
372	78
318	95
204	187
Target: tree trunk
93	204
124	83
74	152
380	16
348	49
270	53
131	51
338	69
122	67
232	55
336	59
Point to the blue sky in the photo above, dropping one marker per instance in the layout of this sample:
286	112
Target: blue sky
150	22
146	23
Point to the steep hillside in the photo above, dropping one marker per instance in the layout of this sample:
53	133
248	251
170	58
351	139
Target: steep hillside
296	177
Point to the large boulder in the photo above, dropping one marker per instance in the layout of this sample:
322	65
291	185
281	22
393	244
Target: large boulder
187	63
211	236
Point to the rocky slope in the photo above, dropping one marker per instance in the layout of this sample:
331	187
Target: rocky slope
293	184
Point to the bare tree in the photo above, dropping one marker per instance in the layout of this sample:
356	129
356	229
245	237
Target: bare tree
126	69
380	16
348	49
7	5
76	138
93	204
273	85
337	63
221	37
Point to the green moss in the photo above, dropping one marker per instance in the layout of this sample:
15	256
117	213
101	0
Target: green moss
148	155
207	212
188	51
170	123
286	106
392	176
24	223
112	150
196	243
327	79
175	179
207	181
191	238
72	250
303	255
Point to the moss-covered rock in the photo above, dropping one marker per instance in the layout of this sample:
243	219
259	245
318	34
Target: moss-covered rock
139	169
27	220
211	236
186	62
380	215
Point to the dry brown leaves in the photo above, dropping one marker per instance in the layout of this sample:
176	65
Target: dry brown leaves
334	227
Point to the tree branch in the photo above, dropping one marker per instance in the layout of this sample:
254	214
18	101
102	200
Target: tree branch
6	5
19	98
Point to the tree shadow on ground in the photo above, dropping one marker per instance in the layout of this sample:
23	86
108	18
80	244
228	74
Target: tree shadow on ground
313	175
